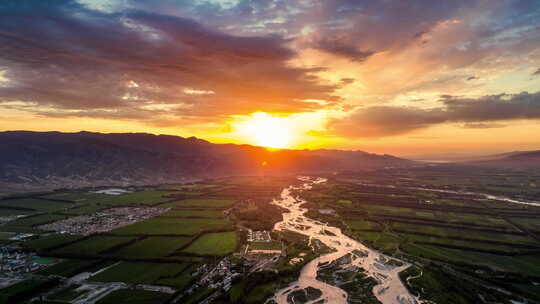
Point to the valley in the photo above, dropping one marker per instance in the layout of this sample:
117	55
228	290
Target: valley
395	235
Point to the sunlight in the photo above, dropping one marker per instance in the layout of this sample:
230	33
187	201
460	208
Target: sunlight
267	130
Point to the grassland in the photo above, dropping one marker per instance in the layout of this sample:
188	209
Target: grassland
214	244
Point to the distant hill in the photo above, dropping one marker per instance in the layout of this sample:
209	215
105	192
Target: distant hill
511	160
56	160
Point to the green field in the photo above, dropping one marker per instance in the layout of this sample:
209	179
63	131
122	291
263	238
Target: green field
196	202
50	241
26	289
136	198
66	294
35	204
135	297
194	213
11	212
28	224
214	244
92	246
153	247
463	232
68	268
264	246
362	225
156	226
140	273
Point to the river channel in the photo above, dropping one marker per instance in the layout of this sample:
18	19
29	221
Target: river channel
389	290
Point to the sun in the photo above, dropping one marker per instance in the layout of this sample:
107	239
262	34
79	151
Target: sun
266	130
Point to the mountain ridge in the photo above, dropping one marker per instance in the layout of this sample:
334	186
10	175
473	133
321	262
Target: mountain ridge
57	160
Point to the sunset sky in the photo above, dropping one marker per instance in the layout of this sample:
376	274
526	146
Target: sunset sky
418	78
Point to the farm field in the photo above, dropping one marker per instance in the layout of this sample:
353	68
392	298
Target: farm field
173	226
27	224
93	246
470	237
153	247
194	213
465	232
34	204
214	244
199	203
135	297
54	240
140	273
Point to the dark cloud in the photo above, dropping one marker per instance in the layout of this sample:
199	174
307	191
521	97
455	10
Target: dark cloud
346	81
472	78
379	121
537	72
342	48
483	126
79	61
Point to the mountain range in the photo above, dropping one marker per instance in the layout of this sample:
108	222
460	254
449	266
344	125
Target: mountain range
46	160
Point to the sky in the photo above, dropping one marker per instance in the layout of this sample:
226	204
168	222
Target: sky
417	78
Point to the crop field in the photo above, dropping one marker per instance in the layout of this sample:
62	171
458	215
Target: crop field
265	246
28	224
194	213
362	224
135	297
54	240
138	198
201	203
140	273
467	232
153	247
33	204
93	246
23	290
68	268
76	196
173	226
214	244
10	212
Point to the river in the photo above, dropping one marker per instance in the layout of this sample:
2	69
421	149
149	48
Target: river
389	290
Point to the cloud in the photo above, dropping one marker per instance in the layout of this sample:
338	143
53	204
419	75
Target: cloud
78	61
537	73
472	78
380	121
342	48
483	126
